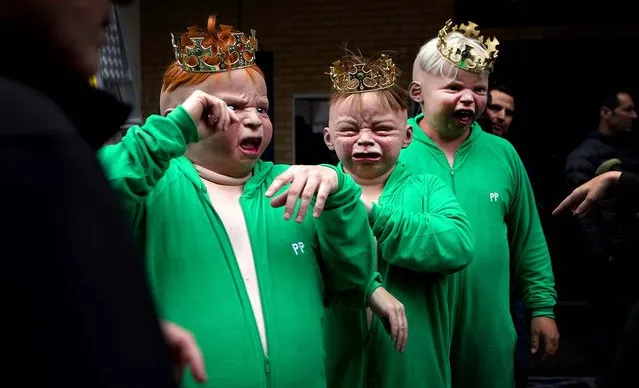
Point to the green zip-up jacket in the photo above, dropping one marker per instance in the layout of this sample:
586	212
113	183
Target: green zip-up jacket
193	270
422	234
491	184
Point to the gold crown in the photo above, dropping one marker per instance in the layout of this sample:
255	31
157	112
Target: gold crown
237	54
362	77
465	57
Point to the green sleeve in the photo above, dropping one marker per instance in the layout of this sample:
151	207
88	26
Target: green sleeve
439	239
533	267
136	164
347	244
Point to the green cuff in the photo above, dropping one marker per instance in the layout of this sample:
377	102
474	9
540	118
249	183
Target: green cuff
340	175
543	312
185	123
347	190
374	283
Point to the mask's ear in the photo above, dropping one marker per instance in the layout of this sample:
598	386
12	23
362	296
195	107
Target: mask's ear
409	136
328	140
415	91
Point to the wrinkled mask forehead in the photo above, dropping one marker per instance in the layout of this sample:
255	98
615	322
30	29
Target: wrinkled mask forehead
360	106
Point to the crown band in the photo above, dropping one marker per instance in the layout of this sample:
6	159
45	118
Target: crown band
196	58
466	58
361	78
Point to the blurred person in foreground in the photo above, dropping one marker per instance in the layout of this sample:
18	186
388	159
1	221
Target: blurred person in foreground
78	311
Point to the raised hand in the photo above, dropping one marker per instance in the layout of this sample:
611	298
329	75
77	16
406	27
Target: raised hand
209	113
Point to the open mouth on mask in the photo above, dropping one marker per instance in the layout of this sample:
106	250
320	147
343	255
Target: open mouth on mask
364	157
251	145
464	116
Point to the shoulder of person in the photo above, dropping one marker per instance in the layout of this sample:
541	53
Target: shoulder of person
420	181
26	111
499	146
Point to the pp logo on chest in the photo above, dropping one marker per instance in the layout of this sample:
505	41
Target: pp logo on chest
298	248
494	197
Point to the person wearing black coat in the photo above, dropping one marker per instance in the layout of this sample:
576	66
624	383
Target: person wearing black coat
77	310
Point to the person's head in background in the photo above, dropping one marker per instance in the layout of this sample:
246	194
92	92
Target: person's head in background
450	79
617	113
220	61
367	116
500	108
68	33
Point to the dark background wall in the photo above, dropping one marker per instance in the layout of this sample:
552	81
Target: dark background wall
559	55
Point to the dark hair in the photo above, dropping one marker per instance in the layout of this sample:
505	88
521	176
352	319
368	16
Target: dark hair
610	98
502	87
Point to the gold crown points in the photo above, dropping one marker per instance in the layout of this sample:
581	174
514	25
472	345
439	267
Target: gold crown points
238	54
466	58
357	78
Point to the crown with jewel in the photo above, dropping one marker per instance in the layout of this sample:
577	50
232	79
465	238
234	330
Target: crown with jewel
465	57
353	75
231	50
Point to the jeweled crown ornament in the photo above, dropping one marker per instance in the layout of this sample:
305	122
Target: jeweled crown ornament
361	77
465	57
197	57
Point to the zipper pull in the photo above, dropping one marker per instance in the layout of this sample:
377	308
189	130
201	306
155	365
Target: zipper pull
267	366
452	172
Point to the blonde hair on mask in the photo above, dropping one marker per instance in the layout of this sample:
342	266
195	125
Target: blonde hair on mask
431	61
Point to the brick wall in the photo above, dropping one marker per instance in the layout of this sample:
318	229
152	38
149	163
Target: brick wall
305	36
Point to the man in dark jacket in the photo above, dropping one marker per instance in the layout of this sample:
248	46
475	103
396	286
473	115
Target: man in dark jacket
607	238
77	311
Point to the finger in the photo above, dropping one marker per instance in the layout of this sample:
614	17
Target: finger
294	192
320	201
196	362
568	202
551	344
404	330
232	116
189	354
561	207
222	112
281	180
394	327
584	207
547	349
280	199
534	342
307	196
